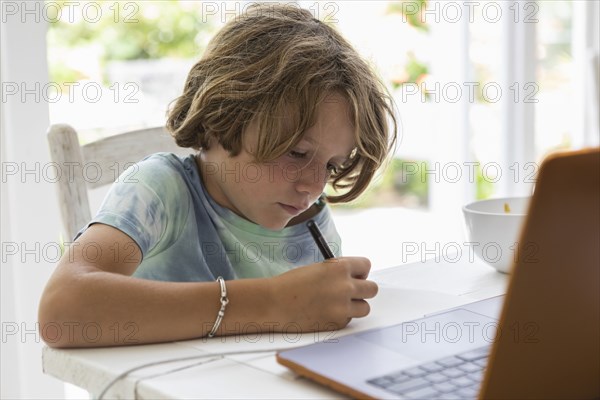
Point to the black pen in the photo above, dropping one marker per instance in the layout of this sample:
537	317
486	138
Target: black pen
319	240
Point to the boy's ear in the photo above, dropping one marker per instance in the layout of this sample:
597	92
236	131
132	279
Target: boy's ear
250	139
211	140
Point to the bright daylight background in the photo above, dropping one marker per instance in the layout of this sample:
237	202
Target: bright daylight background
483	93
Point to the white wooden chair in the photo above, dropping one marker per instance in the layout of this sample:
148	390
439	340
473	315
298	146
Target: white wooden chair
97	164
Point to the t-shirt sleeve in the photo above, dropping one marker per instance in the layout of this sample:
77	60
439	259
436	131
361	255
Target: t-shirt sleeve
146	203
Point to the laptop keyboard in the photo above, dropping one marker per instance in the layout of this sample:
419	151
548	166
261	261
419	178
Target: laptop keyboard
454	377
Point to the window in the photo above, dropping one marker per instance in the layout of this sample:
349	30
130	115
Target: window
116	65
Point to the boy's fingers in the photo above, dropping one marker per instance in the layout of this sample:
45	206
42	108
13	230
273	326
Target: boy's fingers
360	267
365	289
360	308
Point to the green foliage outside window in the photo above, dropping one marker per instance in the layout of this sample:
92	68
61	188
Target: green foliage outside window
401	183
130	31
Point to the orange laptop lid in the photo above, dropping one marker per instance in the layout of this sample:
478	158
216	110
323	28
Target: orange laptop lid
549	346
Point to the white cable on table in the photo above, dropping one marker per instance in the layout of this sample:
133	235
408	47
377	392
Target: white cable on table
151	364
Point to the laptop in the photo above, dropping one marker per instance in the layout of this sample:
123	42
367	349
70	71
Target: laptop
541	340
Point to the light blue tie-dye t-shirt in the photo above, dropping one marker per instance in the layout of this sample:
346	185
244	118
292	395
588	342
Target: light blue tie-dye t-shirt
184	235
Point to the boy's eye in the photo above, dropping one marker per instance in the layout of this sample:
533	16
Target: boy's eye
332	169
297	154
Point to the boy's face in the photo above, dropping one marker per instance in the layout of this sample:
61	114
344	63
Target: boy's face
271	194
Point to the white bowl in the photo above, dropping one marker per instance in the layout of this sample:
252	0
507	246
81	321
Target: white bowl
493	228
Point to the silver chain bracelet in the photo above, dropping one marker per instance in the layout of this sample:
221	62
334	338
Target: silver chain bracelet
224	301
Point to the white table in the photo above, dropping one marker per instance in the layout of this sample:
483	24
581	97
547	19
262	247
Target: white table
406	292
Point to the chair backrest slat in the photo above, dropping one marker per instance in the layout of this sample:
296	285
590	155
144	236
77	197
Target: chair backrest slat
112	155
72	191
97	164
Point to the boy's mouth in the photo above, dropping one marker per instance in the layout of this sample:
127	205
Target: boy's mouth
293	210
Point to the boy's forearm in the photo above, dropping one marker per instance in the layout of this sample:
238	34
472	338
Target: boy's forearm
107	309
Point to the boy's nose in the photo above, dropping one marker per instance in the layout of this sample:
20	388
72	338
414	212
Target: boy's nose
312	180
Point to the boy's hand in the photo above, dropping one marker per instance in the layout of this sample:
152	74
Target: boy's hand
324	296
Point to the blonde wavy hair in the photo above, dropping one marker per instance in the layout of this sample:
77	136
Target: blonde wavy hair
274	65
